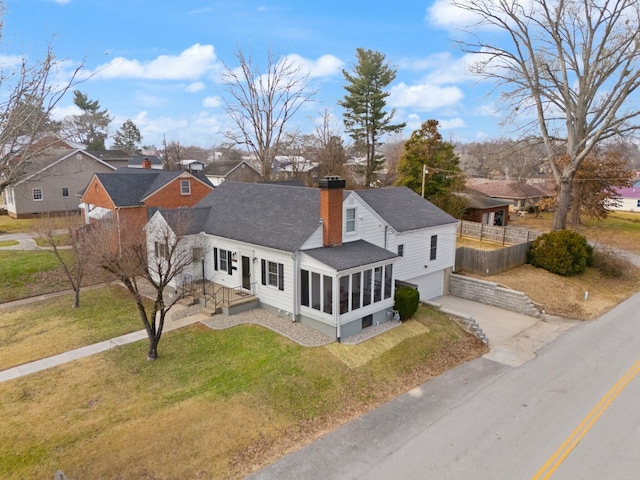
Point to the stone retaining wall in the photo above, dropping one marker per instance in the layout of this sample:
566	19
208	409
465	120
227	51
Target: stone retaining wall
491	293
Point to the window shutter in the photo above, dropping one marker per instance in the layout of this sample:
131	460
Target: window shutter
280	276
263	264
229	265
215	259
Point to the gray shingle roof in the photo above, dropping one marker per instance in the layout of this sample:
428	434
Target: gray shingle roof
127	187
404	209
477	200
284	217
273	216
350	255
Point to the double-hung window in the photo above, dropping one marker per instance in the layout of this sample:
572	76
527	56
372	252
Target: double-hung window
65	192
272	274
185	187
351	220
434	247
224	260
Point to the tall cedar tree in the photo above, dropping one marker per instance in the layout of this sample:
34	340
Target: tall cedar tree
128	138
91	127
425	148
365	119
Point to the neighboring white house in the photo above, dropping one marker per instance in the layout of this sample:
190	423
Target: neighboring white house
628	199
325	257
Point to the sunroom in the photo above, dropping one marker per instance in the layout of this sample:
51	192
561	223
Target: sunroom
346	288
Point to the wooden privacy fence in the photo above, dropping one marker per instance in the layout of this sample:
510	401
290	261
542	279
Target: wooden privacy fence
491	262
502	235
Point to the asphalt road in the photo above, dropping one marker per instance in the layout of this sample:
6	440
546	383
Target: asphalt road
571	413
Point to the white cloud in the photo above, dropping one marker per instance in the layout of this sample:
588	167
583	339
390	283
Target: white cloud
212	102
190	64
324	66
195	87
62	2
443	67
424	96
443	14
452	123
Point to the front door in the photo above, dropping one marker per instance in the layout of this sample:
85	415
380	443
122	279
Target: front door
246	273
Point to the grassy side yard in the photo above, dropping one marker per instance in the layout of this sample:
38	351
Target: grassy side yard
29	273
50	327
620	229
217	404
12	225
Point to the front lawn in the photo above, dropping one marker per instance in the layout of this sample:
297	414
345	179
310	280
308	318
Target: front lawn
49	327
29	273
217	404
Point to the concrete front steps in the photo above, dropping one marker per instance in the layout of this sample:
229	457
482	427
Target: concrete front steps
212	309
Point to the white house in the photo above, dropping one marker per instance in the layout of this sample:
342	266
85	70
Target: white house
326	257
628	199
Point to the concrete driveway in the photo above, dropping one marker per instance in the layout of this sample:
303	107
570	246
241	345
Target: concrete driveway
513	338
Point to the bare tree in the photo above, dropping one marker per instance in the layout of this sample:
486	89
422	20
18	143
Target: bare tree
148	264
392	150
30	93
573	65
331	154
55	232
262	104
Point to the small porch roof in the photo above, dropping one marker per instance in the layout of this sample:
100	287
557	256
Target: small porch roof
350	255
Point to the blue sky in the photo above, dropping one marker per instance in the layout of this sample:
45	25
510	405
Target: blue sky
158	63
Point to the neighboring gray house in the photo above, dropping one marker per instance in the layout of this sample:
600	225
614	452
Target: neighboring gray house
325	257
220	171
58	175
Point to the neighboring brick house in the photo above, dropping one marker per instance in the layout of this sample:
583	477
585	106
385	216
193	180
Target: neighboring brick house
131	196
485	210
520	195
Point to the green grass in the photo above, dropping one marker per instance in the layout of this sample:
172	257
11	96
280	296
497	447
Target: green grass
8	243
49	327
12	225
215	403
24	274
60	240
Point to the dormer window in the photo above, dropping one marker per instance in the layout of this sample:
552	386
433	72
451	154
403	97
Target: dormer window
185	187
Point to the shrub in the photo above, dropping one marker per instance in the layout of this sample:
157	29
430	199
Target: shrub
611	265
563	252
407	300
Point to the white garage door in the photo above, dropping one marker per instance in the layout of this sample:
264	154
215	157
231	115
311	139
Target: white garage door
430	286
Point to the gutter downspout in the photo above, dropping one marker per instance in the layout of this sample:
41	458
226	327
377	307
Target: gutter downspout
296	286
118	228
336	305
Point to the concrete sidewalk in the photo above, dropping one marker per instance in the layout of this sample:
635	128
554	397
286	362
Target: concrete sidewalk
513	338
88	350
25	241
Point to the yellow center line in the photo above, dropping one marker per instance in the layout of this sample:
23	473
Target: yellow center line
569	444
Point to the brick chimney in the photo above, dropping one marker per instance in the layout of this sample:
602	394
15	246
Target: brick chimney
146	163
331	189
